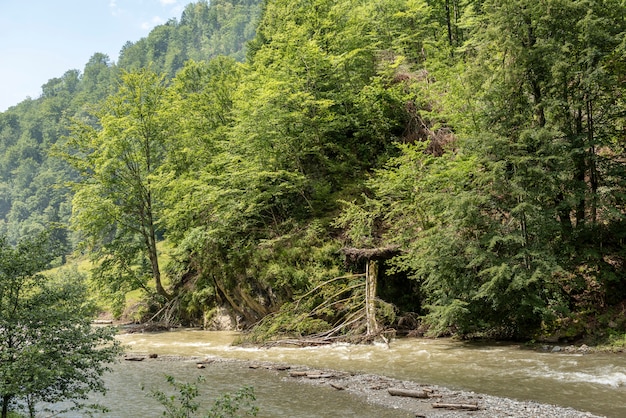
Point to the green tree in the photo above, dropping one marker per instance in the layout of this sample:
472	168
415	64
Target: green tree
49	352
184	403
214	197
116	205
517	214
319	103
97	79
550	92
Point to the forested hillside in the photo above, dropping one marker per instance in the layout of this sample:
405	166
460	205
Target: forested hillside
32	185
479	144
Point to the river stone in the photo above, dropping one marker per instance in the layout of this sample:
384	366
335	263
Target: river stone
219	319
556	349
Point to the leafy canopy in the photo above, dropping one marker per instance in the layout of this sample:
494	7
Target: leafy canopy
48	349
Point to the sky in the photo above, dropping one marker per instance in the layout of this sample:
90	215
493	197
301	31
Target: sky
42	39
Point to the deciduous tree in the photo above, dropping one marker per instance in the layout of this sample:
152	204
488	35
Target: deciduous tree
49	352
116	205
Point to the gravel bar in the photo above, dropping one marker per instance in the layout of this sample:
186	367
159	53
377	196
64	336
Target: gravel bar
375	390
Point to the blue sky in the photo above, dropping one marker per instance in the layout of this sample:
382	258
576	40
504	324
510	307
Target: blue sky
42	39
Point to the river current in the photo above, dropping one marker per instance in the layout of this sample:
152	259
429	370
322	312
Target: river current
588	382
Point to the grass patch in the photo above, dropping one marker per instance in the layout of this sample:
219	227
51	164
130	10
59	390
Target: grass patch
135	306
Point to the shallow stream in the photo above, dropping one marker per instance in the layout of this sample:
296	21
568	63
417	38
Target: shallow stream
589	382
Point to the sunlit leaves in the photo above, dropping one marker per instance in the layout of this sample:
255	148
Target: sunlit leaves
49	350
116	205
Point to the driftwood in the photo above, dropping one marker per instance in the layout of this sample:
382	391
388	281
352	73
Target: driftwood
270	367
134	358
372	256
312	375
310	342
147	327
464	406
298	374
383	253
319	376
408	393
371	278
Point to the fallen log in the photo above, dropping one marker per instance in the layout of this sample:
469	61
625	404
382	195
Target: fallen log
319	376
134	358
297	374
269	367
408	393
464	406
298	342
311	375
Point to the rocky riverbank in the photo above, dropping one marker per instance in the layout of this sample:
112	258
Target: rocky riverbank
419	400
439	401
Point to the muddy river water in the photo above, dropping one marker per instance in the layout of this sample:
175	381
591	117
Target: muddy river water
588	382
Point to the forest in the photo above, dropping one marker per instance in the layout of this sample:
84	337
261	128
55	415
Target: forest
253	157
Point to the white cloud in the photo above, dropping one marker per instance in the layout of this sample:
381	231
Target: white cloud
166	2
115	9
178	10
156	20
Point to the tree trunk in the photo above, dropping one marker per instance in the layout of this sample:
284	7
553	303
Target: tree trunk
371	275
563	211
580	169
449	22
420	394
465	406
593	169
232	303
6	399
151	243
260	309
156	271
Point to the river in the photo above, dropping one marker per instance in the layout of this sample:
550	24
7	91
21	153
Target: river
591	382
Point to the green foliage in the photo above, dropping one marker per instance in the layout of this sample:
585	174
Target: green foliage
33	185
484	138
116	206
255	186
333	308
481	262
239	404
205	30
184	404
291	321
49	350
492	224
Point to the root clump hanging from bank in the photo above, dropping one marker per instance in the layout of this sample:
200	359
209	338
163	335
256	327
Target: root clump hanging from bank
341	309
